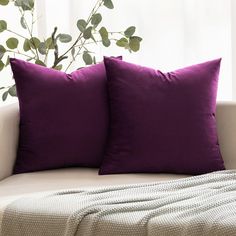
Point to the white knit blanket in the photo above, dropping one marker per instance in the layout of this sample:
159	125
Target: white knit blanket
201	205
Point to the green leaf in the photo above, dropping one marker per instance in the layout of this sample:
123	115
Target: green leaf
93	39
4	2
26	5
3	25
64	38
2	88
137	37
4	96
130	31
49	43
96	19
41	63
103	32
1	65
23	23
18	3
34	42
108	4
26	45
2	51
94	60
81	24
106	42
58	67
134	44
42	48
123	42
87	58
88	33
73	53
12	91
29	3
7	61
12	43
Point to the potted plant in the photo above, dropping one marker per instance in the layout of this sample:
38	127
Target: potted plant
47	52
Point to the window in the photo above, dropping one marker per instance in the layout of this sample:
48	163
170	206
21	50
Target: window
175	33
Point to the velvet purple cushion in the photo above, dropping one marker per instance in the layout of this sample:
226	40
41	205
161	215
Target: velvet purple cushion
162	122
63	117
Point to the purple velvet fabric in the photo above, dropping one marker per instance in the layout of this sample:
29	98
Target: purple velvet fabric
63	117
162	122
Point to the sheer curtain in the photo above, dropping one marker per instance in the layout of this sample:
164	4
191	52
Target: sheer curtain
175	33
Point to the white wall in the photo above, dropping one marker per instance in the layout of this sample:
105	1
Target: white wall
176	33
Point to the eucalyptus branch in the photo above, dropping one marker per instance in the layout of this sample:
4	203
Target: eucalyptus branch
94	11
26	24
116	32
35	48
46	56
97	41
81	46
112	32
55	47
30	33
20	53
86	49
32	22
57	59
13	32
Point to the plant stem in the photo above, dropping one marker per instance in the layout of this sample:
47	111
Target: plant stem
113	32
20	53
16	33
46	56
30	33
94	10
81	46
97	41
116	32
57	58
13	32
32	22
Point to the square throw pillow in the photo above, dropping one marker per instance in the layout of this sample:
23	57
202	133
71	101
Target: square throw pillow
63	117
162	122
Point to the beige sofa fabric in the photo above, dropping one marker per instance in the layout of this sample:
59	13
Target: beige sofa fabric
77	177
71	178
9	122
226	126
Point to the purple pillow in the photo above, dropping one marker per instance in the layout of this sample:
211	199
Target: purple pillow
63	117
162	122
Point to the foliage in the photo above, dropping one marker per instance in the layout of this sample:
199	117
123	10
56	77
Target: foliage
35	50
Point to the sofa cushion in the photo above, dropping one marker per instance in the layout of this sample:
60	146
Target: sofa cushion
17	186
162	122
63	117
71	178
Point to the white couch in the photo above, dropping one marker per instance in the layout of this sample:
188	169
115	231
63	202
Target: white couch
14	185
